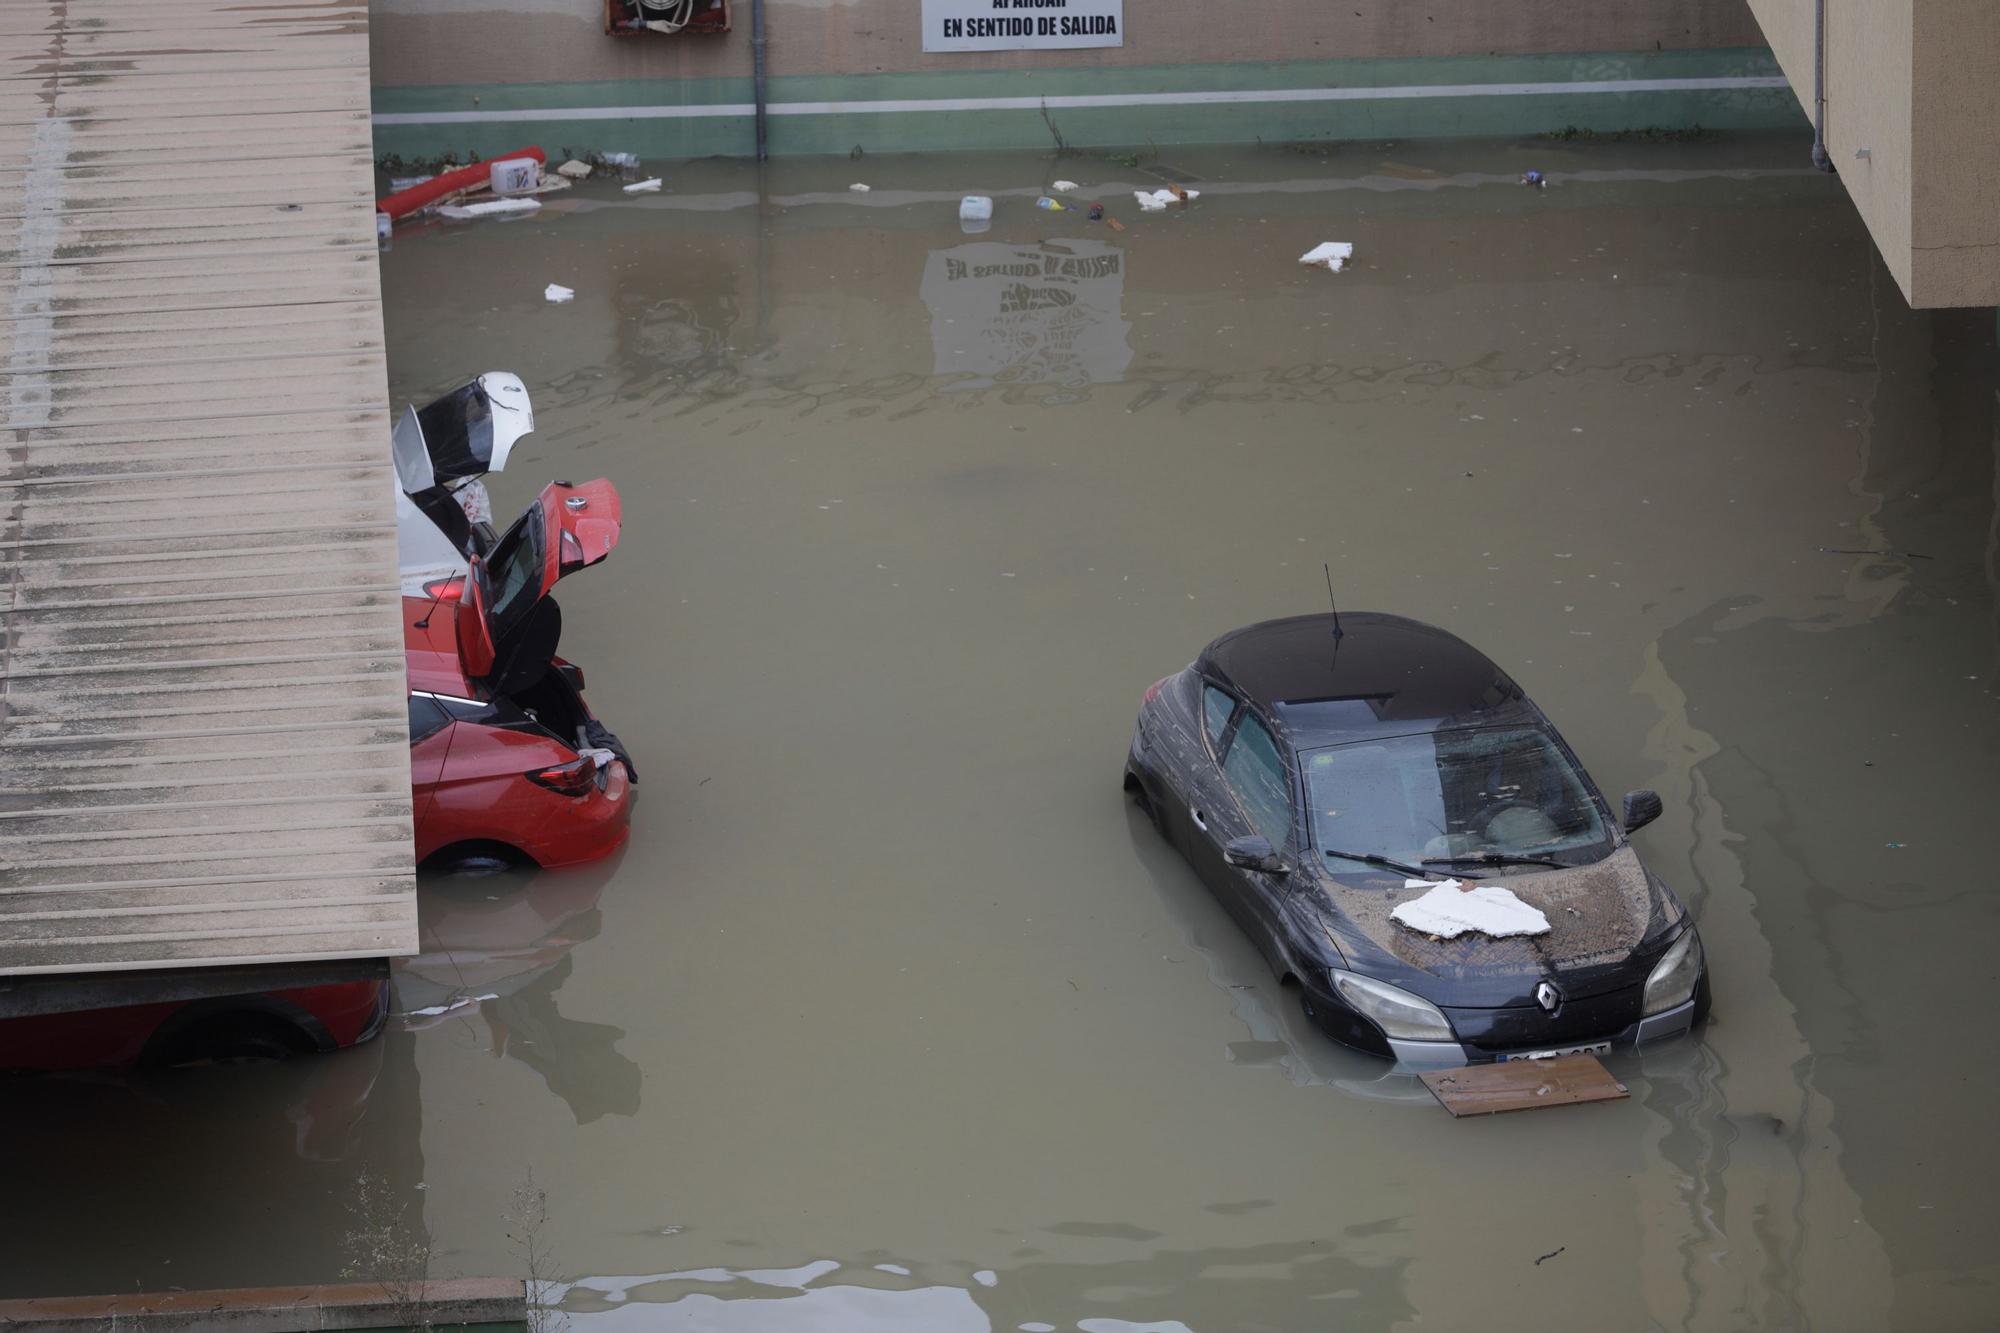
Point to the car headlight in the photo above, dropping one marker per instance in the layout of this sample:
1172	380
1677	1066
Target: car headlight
1398	1013
1674	976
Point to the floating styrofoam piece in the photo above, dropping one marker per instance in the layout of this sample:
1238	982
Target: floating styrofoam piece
574	169
513	175
1158	199
1450	909
558	294
620	159
1063	187
489	208
651	185
1329	254
858	188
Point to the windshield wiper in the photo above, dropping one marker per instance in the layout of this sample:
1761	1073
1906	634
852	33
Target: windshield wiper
1373	859
1494	859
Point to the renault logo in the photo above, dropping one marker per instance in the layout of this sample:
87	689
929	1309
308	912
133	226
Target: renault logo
1548	996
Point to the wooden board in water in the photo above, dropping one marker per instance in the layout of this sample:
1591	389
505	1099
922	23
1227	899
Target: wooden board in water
1522	1085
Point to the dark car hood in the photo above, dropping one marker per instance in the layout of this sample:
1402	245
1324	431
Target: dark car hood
1607	921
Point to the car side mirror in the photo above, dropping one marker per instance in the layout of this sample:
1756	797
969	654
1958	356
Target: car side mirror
1641	809
1255	853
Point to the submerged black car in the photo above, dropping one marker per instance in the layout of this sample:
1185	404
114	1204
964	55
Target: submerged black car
1310	767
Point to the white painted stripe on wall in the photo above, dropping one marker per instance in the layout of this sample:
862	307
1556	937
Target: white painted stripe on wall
1209	98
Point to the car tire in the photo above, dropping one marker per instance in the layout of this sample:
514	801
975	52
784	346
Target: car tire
231	1038
1137	786
479	867
475	860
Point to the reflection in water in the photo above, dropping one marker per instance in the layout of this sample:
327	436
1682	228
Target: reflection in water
1299	1285
502	943
143	1181
1029	314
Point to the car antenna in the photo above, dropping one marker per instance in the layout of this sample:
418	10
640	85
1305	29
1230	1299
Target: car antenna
1337	630
444	586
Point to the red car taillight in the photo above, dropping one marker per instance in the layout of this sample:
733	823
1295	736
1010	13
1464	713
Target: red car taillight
1154	689
446	590
577	778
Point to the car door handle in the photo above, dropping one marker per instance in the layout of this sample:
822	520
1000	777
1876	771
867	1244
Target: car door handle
1199	822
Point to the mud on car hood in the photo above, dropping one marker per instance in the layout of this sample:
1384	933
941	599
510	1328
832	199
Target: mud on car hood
1605	921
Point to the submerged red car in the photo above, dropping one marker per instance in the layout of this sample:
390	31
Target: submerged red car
507	762
178	1022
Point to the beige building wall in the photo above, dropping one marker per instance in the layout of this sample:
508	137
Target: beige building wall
1912	118
431	42
1955	196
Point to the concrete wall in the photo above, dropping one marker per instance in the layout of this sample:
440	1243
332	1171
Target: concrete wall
425	42
1915	84
1955	154
440	65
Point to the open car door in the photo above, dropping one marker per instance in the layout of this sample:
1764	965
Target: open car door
464	434
508	626
440	451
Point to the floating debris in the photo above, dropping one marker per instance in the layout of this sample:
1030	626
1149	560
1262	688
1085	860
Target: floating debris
1330	255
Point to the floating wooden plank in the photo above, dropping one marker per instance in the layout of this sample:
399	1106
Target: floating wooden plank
1523	1085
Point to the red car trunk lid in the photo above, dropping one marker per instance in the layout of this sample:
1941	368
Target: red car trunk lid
569	527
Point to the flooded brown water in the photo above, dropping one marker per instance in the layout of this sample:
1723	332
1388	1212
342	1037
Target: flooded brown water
894	1010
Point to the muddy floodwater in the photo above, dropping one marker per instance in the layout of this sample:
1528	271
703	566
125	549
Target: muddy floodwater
895	1012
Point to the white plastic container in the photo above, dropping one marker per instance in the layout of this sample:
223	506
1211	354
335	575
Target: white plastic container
514	175
975	208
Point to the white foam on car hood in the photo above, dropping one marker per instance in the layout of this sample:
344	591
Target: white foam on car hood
1450	909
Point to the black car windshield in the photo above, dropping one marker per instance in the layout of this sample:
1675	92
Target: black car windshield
514	574
458	432
1488	792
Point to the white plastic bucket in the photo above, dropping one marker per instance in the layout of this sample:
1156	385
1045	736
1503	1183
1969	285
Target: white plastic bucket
514	175
975	208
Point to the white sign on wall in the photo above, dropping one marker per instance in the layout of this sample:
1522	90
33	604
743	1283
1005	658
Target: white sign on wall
1022	25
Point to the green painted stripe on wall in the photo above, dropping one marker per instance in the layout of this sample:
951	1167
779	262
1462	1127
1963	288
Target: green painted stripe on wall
1409	114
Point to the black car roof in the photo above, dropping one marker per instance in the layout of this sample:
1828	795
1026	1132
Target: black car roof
1384	674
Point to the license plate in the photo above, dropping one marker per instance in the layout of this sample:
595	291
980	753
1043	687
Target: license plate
1587	1048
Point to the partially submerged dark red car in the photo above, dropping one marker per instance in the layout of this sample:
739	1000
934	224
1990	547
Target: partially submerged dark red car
507	762
175	1019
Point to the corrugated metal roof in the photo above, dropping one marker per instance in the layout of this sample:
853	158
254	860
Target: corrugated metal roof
204	753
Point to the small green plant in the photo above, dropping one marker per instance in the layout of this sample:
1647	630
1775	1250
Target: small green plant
527	1213
1062	145
385	1248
